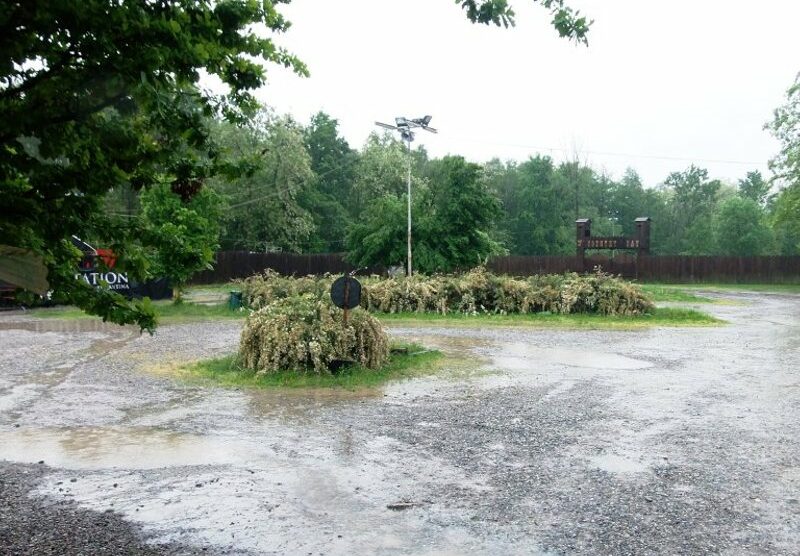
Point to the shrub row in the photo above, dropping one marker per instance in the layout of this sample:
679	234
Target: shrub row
477	291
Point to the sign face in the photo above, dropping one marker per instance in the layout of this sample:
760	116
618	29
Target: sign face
346	292
609	243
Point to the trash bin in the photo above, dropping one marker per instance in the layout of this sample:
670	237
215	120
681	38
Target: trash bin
235	300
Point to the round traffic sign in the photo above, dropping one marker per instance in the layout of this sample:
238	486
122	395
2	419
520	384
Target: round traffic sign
346	292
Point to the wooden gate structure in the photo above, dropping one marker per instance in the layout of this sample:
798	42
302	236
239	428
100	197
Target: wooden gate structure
624	265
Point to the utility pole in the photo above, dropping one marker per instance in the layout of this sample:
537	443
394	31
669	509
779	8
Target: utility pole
404	126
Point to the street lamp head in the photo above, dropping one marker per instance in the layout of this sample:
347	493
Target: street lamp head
401	122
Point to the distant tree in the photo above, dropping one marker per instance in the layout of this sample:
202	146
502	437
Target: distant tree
786	219
740	229
785	126
379	235
181	235
459	215
755	188
452	220
334	165
542	222
381	170
264	210
692	199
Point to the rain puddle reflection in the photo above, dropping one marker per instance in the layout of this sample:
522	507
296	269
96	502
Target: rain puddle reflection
104	448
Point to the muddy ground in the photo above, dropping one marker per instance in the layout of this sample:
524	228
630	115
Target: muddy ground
668	441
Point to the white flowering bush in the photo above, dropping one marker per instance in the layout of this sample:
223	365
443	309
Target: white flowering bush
306	333
474	292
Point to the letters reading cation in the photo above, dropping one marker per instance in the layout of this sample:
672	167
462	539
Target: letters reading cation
116	280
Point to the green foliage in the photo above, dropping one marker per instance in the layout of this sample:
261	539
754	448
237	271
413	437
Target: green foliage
786	219
182	236
96	96
265	212
306	334
755	188
451	223
785	126
568	22
334	165
381	172
692	197
740	228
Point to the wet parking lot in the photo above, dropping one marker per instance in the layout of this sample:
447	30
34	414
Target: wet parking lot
534	441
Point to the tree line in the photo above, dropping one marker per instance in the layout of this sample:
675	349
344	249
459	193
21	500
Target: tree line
304	189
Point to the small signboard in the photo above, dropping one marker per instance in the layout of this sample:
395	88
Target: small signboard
346	292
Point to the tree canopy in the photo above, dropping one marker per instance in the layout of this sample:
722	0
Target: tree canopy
100	96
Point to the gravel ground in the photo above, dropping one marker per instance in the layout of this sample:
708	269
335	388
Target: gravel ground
38	526
660	441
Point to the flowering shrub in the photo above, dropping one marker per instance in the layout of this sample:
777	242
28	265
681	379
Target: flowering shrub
477	291
307	333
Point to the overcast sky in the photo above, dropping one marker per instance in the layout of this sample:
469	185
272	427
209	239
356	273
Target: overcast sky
662	83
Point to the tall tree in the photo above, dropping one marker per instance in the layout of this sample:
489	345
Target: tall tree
333	163
542	222
265	213
755	188
452	223
740	229
181	236
693	197
459	214
95	94
786	220
785	126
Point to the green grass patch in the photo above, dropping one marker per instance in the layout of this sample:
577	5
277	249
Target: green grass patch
761	288
166	311
169	313
661	293
220	287
224	371
662	316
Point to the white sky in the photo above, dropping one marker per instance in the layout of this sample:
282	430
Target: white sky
686	80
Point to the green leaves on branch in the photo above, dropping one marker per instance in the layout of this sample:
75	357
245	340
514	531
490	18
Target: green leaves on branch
568	22
98	96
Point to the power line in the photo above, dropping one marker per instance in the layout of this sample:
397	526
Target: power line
609	153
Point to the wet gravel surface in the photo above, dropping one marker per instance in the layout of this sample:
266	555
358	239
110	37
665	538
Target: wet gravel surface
38	526
658	441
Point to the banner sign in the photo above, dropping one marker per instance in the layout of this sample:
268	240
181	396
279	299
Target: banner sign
119	282
615	242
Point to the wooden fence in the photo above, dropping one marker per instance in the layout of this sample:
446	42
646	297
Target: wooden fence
241	264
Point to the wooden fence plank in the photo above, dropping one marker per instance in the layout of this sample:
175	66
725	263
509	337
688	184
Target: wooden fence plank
230	265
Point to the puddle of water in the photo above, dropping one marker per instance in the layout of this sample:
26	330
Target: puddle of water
521	356
99	448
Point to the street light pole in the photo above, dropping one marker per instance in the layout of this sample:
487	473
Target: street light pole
404	126
408	184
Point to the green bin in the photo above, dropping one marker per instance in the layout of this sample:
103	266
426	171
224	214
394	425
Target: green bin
235	300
